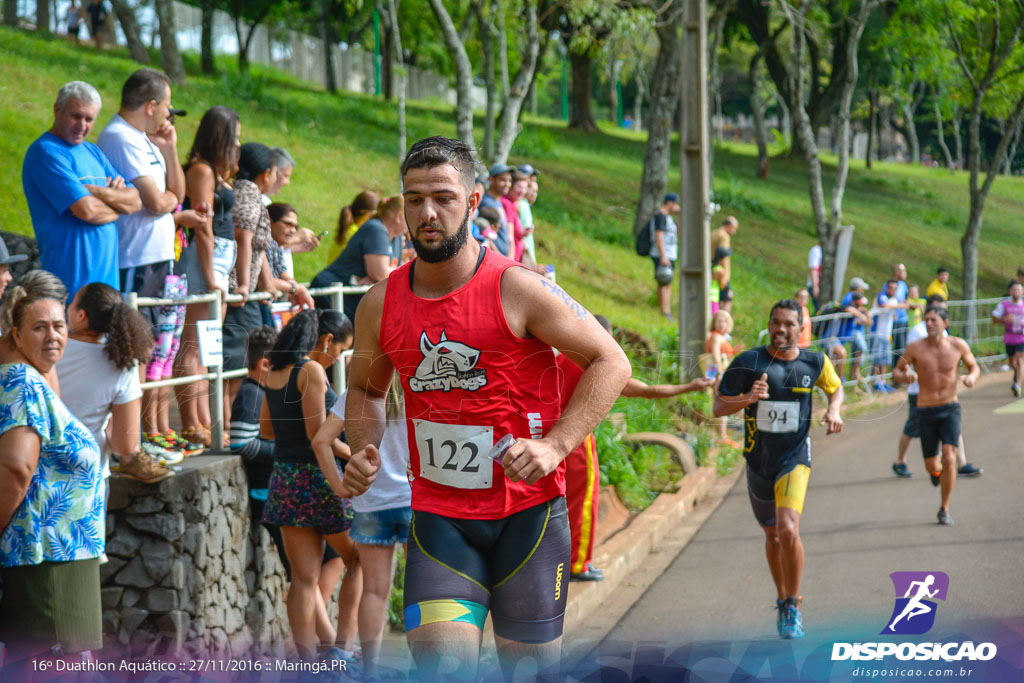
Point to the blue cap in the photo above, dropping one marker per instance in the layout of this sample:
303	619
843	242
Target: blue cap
498	169
672	197
528	170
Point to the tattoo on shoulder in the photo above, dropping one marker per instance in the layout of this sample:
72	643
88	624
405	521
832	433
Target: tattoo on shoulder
581	313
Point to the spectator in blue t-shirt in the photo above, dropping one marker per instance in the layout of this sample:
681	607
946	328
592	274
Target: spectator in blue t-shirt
852	329
75	194
499	183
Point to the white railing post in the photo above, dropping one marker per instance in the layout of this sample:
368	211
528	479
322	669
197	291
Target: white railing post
338	302
217	391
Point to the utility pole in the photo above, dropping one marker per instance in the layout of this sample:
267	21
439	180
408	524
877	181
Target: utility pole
694	242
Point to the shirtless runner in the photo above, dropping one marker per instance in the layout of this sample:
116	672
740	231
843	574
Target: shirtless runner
935	360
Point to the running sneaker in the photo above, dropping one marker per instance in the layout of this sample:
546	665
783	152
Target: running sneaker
969	470
143	468
163	456
780	620
1015	389
794	624
901	469
944	518
175	442
936	478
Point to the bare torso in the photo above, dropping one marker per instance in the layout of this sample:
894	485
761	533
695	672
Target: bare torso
936	362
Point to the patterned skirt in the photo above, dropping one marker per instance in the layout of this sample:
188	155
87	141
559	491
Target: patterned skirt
300	496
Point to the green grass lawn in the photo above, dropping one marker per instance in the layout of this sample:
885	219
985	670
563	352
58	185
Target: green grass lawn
346	143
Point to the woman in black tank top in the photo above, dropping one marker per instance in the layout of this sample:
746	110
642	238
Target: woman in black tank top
211	162
300	501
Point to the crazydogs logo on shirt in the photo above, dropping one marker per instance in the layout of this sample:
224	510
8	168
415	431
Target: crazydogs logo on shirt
447	365
914	613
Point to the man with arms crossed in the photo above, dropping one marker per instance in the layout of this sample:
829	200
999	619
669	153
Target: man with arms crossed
773	385
936	359
471	335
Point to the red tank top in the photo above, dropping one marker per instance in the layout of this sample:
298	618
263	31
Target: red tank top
468	381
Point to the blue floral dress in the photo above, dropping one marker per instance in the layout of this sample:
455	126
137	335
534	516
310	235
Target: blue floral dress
62	516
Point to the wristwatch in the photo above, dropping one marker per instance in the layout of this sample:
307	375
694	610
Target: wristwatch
294	286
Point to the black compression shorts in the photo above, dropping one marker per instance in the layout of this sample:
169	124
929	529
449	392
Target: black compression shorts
516	567
938	424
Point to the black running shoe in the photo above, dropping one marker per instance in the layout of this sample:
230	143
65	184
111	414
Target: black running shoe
936	478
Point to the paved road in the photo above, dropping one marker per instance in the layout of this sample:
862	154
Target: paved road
860	523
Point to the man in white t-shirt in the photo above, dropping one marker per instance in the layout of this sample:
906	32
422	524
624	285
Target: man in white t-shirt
814	273
910	430
141	143
886	305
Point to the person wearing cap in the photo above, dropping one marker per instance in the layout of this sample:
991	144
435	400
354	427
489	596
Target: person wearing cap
141	142
75	194
525	206
852	329
6	259
664	247
499	183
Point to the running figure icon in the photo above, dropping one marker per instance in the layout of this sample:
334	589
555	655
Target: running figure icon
916	607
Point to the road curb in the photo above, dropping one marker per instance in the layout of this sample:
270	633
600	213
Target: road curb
630	549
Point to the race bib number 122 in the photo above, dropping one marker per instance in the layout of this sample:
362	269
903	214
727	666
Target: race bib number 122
455	455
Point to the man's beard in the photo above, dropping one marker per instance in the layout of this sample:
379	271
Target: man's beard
449	246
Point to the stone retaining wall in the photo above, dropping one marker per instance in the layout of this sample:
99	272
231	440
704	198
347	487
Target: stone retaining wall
187	570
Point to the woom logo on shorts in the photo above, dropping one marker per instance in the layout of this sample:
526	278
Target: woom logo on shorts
914	614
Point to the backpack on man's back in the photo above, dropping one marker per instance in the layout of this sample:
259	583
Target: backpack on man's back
645	239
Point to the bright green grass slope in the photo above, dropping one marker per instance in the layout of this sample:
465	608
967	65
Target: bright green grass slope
347	142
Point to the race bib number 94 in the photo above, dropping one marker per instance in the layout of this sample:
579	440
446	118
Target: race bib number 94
455	455
778	417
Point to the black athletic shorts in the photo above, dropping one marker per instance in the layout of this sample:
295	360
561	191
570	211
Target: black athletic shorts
786	488
910	427
938	425
516	567
147	281
1013	349
726	293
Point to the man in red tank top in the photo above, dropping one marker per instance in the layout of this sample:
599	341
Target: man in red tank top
470	334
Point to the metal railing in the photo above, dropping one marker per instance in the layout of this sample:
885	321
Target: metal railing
968	319
216	374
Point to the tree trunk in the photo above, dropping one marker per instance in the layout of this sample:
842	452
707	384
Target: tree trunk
387	78
463	73
639	79
498	16
327	38
581	116
486	31
978	194
126	17
872	128
757	111
400	70
509	122
958	145
661	120
11	12
243	47
1011	152
174	67
206	58
43	16
911	130
941	136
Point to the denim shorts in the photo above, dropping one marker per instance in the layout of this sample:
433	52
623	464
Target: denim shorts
382	527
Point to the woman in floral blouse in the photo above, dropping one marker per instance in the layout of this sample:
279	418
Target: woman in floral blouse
256	174
51	494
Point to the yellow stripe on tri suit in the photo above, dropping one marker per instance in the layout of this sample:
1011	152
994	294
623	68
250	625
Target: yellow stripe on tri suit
791	489
828	380
588	508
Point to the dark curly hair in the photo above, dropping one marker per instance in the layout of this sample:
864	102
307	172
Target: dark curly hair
128	336
296	340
